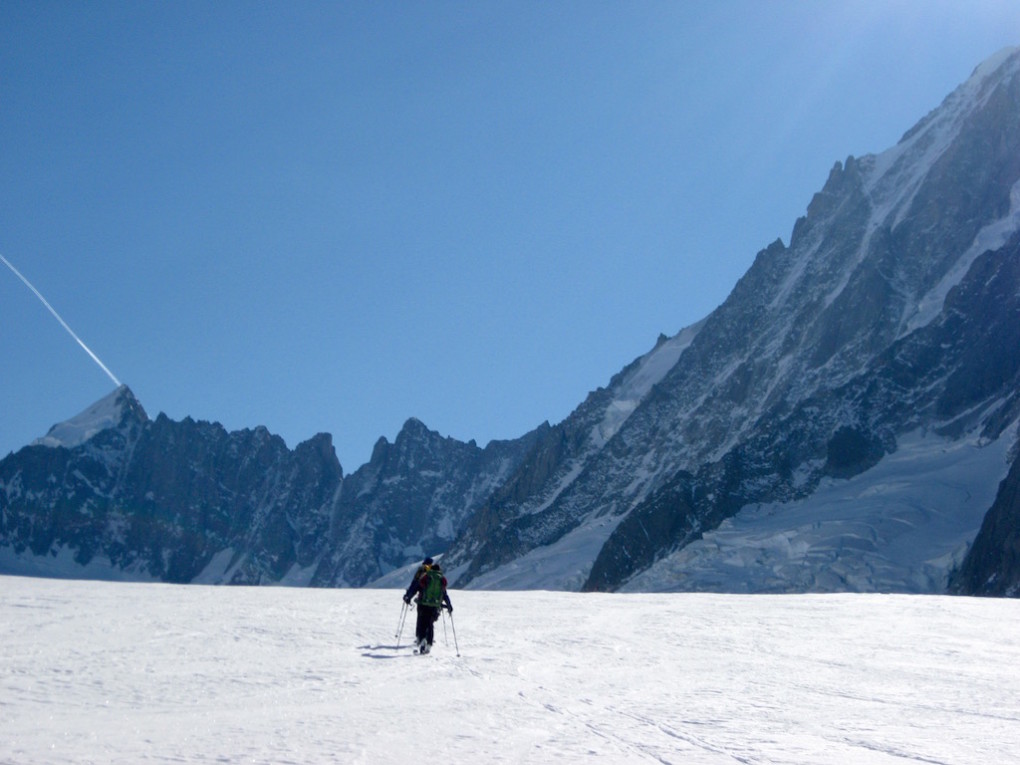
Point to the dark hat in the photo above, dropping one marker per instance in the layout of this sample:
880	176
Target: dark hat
427	562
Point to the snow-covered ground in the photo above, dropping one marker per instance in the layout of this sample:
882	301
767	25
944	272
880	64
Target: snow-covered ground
94	672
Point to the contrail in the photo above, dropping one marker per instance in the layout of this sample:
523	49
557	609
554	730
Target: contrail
63	323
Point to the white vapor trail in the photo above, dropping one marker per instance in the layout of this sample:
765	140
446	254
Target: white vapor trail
63	323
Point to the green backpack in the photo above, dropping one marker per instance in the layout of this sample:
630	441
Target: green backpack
432	592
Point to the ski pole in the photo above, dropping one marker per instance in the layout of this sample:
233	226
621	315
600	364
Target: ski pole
454	626
446	640
400	627
400	624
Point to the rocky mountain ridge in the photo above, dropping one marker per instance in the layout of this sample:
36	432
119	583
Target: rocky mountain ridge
189	502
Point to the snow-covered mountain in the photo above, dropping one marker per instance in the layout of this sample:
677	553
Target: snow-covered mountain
112	494
158	499
845	420
891	317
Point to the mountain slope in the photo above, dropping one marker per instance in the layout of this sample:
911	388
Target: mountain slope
893	309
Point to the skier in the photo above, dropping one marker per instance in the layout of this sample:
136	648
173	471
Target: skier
433	597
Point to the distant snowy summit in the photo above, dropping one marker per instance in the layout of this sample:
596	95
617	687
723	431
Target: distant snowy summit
109	412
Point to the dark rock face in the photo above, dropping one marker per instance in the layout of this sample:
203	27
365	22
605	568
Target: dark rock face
993	565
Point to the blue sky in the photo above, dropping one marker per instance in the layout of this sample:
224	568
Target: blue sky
335	216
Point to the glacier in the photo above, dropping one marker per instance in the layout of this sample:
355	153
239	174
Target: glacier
94	672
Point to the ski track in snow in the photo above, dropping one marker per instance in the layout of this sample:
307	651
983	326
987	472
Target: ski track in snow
96	672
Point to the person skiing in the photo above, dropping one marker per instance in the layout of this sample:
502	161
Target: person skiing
432	596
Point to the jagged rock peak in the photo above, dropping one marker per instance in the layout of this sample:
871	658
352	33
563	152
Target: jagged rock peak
413	427
320	445
112	411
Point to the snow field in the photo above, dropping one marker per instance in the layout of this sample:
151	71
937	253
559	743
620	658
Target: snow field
97	672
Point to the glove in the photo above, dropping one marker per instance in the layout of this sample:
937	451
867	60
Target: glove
407	600
449	608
